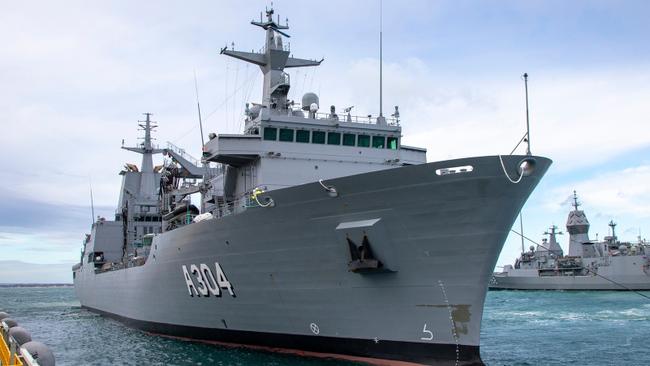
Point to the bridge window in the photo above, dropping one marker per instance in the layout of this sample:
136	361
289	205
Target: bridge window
302	136
334	138
286	134
392	143
270	133
348	139
318	137
363	141
378	142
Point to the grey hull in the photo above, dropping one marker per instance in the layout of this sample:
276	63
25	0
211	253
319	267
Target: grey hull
438	237
612	283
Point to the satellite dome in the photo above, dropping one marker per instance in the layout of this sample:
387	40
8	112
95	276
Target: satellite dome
308	99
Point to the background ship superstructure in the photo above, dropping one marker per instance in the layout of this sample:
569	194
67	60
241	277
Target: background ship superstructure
590	265
318	232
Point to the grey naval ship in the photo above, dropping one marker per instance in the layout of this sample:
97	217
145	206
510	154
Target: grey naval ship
316	233
590	264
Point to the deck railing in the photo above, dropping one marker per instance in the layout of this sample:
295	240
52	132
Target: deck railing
183	153
349	118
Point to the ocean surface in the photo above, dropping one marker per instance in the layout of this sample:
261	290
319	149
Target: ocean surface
519	328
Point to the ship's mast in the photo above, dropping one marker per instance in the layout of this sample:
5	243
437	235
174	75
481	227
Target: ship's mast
575	201
553	245
148	184
612	225
273	59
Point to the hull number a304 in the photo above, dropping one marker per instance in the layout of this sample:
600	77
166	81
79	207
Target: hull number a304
201	281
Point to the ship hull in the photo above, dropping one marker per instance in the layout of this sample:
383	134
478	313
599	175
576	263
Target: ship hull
580	283
437	236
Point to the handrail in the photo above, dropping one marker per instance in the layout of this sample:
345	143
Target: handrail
348	118
237	206
183	154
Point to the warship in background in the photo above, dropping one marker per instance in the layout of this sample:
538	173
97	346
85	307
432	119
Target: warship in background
590	265
317	233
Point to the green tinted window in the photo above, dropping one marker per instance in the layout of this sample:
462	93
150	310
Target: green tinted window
270	133
286	134
348	139
392	143
334	138
363	141
378	141
318	137
302	136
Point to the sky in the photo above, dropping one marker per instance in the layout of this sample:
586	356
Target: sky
76	76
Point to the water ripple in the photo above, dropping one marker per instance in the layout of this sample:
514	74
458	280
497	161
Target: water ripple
520	328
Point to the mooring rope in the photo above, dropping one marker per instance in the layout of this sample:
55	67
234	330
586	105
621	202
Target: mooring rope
521	175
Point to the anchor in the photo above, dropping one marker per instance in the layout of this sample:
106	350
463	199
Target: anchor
363	260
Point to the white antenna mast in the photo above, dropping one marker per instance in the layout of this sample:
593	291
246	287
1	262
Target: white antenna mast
527	118
92	204
198	106
380	59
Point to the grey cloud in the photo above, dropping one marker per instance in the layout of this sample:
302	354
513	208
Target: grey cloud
28	214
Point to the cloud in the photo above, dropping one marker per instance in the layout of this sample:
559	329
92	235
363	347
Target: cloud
612	194
578	118
32	214
41	231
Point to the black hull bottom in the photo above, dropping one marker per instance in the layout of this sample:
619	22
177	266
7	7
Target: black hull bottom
565	289
370	351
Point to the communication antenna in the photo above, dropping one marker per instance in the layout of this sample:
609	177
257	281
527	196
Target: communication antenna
527	117
92	204
381	97
204	163
198	107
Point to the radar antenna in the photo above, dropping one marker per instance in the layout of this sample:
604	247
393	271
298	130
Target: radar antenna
575	201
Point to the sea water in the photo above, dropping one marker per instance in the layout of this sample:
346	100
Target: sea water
519	328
